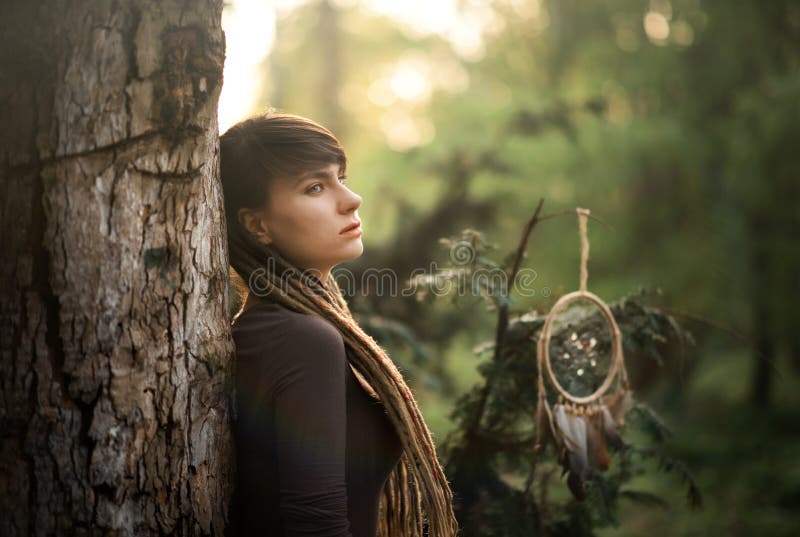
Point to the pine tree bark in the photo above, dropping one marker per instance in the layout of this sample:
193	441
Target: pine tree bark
114	348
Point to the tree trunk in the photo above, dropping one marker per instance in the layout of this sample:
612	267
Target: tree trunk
330	81
115	348
763	331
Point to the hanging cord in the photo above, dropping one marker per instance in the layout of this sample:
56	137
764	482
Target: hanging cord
582	215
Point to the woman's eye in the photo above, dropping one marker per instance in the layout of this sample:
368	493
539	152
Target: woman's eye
313	188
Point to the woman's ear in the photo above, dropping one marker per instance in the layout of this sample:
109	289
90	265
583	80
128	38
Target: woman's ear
255	223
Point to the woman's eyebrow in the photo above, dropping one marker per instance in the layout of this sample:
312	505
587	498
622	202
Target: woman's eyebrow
316	174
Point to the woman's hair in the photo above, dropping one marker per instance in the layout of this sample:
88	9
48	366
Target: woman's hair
272	146
269	147
258	151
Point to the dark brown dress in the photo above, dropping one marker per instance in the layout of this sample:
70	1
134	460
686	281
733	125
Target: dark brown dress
313	449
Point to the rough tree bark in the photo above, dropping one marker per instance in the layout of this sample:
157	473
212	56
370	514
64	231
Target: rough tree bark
114	347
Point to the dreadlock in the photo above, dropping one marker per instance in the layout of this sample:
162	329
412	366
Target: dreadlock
416	499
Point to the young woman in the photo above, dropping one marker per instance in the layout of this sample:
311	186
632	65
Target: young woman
329	439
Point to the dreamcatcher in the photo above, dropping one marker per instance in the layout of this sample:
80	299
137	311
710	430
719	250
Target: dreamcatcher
582	427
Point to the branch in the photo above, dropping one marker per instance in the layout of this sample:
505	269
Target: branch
502	322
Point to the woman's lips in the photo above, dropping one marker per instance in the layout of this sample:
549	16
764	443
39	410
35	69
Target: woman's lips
352	232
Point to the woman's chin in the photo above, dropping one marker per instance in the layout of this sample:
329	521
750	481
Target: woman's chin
358	248
353	250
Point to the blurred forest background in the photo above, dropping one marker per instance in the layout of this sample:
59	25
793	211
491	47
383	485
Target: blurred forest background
675	122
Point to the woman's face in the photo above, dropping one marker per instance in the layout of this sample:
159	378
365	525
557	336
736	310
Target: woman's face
305	216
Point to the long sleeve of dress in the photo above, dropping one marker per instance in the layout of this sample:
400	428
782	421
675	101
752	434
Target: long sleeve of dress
309	402
313	449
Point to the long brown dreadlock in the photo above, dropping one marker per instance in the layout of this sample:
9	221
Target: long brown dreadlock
416	493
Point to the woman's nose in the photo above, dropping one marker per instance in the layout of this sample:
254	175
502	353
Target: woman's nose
351	201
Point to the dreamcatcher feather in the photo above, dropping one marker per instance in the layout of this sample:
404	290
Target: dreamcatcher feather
582	429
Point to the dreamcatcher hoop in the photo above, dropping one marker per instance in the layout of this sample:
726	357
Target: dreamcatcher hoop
617	367
617	362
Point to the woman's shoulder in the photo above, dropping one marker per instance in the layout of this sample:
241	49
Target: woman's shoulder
277	347
278	326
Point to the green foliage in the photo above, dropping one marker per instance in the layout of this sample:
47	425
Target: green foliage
683	144
495	432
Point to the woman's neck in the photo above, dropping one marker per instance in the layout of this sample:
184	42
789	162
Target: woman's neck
253	299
